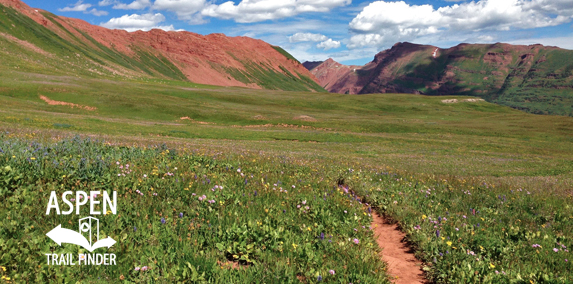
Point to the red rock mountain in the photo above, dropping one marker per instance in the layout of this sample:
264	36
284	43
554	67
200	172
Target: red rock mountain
213	59
534	78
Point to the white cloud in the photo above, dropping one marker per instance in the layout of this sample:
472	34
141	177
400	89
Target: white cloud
384	23
134	22
188	10
328	44
135	5
97	12
106	2
83	7
249	11
78	7
563	42
300	37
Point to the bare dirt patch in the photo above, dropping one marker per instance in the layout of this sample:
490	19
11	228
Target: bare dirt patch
453	101
72	105
403	267
304	118
194	121
25	44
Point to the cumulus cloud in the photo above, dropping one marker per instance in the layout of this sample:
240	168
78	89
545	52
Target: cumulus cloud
135	5
97	12
83	7
249	11
301	37
134	22
106	2
78	7
246	11
188	10
383	23
328	44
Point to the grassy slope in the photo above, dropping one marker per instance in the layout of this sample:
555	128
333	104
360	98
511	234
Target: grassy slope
418	137
544	87
84	56
413	124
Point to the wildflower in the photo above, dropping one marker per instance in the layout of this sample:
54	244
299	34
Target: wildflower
137	268
345	212
162	220
356	241
331	272
438	233
319	278
298	206
449	243
555	249
134	229
181	215
294	246
304	202
144	175
322	236
424	217
491	266
293	186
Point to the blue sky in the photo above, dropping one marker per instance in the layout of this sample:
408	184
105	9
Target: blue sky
350	31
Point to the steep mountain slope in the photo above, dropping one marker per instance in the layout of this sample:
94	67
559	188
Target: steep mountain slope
39	41
533	78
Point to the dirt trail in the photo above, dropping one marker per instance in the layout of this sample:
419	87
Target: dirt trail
403	267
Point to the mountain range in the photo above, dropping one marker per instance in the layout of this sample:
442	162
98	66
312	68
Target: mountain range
532	78
39	41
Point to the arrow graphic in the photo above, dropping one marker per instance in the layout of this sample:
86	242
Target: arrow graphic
62	235
107	242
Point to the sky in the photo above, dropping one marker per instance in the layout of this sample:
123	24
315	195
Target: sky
349	31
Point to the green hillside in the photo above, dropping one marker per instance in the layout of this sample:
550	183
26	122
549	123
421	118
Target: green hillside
28	46
537	79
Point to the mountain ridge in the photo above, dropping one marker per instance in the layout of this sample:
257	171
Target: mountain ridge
213	59
533	78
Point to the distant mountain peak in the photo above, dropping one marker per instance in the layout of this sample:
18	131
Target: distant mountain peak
500	72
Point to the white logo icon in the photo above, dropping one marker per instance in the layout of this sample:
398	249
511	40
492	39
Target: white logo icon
62	235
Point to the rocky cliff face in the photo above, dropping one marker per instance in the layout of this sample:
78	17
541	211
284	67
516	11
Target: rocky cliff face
213	59
534	78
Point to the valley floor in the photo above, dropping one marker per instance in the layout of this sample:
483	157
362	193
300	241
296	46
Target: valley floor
231	185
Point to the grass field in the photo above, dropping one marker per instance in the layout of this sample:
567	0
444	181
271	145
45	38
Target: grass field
482	191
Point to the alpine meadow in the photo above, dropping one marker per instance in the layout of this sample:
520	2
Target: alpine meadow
229	162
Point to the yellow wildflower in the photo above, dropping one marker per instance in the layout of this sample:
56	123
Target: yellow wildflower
449	243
